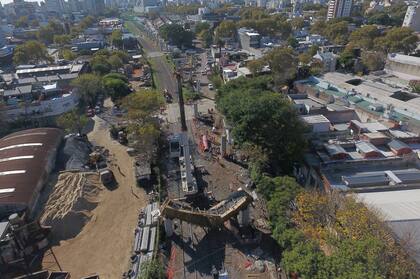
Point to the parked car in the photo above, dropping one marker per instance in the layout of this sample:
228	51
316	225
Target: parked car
210	86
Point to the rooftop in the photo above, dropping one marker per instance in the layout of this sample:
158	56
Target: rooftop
315	119
24	158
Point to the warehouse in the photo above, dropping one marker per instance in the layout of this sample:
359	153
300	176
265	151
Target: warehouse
26	160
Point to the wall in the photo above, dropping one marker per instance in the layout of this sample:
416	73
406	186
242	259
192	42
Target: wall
43	109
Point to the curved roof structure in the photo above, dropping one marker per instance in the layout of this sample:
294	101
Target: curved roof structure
25	162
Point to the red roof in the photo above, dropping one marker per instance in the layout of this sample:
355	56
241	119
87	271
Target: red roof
23	159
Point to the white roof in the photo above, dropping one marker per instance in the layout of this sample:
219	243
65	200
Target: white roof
394	205
405	59
314	119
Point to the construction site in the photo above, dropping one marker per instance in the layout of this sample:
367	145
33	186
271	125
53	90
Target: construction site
214	222
92	206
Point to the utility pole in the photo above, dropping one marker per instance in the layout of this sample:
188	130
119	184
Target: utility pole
181	102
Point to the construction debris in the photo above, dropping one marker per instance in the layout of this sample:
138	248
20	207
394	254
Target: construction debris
145	236
69	205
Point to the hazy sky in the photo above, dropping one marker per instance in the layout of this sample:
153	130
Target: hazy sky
8	1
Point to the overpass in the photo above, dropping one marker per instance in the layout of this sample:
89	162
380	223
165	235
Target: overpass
212	217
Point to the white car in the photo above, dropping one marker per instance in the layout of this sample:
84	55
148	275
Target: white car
210	86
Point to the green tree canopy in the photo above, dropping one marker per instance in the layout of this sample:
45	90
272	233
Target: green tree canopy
201	26
116	38
142	108
226	29
72	121
116	86
397	39
264	119
30	52
88	87
62	39
22	22
175	34
152	269
373	60
364	36
283	64
46	33
67	54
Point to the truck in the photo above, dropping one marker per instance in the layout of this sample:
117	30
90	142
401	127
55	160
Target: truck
107	177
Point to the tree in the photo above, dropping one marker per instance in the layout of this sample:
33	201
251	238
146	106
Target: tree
415	85
297	23
142	107
22	22
30	52
206	37
86	22
46	33
62	39
390	16
397	39
202	26
3	123
72	121
123	55
115	62
364	36
337	32
256	66
100	64
175	34
226	29
88	87
152	269
346	59
116	38
264	119
373	60
318	27
304	259
292	42
34	23
283	64
67	54
116	86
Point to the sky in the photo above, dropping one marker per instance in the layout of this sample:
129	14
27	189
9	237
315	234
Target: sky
8	1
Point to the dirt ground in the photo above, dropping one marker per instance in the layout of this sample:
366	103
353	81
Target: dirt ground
104	244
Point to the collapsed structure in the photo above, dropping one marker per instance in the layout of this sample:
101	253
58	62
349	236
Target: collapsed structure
213	217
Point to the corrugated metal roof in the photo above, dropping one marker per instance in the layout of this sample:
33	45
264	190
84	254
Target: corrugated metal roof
334	149
408	176
395	205
366	147
34	147
397	145
366	179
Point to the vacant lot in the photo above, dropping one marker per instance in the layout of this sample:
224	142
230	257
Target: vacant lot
103	245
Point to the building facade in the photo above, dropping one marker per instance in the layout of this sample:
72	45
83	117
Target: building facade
339	8
412	18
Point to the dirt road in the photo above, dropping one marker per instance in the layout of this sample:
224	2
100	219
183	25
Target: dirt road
105	242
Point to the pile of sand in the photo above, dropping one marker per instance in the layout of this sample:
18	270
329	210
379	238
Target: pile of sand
70	204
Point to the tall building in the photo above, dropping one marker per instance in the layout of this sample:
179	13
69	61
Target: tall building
93	7
2	38
141	5
54	6
339	8
412	18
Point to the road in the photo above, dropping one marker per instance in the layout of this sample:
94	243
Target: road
197	251
164	73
